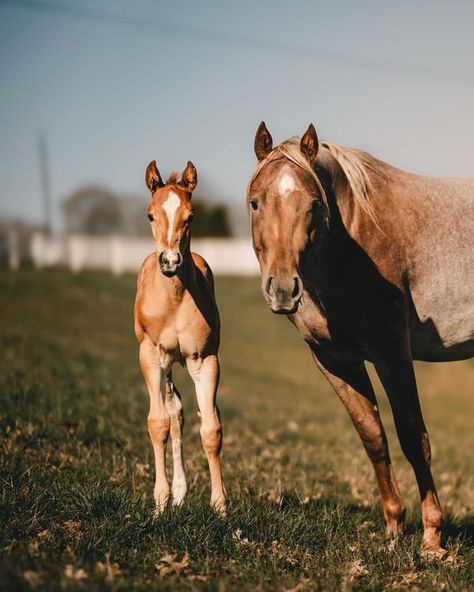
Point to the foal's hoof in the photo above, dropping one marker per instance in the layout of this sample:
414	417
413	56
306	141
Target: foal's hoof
179	493
219	506
160	506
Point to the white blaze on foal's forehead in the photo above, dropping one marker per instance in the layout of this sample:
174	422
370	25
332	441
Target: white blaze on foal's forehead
286	184
170	206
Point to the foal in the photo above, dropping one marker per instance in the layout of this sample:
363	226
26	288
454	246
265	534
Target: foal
176	320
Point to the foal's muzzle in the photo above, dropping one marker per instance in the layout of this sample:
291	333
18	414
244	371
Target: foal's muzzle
283	294
170	262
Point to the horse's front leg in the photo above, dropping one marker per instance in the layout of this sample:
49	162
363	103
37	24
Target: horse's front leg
205	374
158	419
352	384
398	378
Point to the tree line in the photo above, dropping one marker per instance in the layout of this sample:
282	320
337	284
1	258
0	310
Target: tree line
98	211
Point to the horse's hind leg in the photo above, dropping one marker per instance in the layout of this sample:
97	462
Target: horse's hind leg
158	419
398	378
175	411
352	385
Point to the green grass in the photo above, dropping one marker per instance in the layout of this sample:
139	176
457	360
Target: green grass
76	475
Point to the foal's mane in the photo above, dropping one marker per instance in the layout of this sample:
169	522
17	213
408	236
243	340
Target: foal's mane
355	165
173	178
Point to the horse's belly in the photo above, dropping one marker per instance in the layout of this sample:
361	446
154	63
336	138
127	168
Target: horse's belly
442	322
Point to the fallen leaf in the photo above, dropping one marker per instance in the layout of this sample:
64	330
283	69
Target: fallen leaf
74	574
168	565
33	578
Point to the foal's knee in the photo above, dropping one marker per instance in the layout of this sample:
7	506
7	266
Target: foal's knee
211	436
159	429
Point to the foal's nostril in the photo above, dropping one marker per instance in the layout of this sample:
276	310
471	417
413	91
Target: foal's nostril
268	286
180	259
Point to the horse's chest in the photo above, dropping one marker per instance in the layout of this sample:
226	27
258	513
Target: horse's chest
310	322
178	334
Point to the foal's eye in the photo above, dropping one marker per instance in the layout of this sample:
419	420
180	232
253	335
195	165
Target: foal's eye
254	204
150	217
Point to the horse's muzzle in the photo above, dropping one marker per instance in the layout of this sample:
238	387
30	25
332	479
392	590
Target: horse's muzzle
283	295
170	262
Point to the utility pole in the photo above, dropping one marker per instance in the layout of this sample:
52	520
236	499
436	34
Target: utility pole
45	183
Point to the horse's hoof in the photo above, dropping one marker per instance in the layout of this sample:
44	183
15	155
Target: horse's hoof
394	529
179	494
160	507
219	506
435	553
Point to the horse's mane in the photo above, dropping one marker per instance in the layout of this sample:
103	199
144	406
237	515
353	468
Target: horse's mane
173	179
355	165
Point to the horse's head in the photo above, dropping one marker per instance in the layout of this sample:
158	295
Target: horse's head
170	213
288	211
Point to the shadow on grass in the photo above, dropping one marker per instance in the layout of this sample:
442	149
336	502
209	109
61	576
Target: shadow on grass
462	530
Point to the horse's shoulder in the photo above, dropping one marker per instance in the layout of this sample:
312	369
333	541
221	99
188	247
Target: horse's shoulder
149	263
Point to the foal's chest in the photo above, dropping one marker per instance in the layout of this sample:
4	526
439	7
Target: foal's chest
178	333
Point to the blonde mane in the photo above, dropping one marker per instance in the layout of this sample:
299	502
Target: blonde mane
354	164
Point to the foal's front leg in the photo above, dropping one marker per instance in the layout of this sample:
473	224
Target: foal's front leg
158	418
175	411
352	384
205	374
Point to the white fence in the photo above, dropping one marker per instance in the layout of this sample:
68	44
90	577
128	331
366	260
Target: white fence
119	254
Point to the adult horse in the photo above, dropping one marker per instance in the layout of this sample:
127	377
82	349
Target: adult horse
369	263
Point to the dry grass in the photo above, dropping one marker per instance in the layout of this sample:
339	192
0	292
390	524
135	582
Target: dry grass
76	467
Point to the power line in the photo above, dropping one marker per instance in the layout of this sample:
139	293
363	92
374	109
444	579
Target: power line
208	36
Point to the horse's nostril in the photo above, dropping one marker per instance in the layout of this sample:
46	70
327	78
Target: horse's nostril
180	259
268	285
297	287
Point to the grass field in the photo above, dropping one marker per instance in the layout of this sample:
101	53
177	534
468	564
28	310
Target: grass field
76	474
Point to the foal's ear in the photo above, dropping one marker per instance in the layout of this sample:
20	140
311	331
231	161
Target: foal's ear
263	144
189	177
309	144
152	177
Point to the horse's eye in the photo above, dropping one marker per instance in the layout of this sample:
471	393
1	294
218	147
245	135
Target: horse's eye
150	217
190	218
254	204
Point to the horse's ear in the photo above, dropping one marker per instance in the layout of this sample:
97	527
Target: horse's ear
152	177
309	144
263	144
189	177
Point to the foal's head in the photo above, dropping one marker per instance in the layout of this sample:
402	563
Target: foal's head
288	211
170	213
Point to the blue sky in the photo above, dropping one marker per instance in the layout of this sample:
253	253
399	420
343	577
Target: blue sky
114	84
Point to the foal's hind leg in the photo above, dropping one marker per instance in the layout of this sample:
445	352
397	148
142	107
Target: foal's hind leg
205	374
353	386
158	418
398	378
175	411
